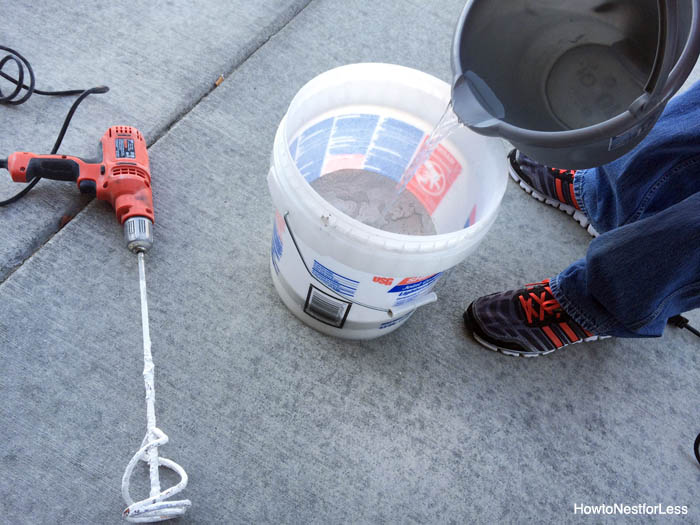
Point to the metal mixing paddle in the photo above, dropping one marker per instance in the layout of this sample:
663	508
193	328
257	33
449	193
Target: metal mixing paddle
155	507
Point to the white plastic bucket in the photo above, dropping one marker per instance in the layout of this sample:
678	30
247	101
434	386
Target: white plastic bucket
336	274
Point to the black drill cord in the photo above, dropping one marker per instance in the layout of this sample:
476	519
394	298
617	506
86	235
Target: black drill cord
13	100
683	322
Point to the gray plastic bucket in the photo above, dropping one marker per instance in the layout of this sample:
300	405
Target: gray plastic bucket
572	84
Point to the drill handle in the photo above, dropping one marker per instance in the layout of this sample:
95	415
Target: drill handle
54	169
25	167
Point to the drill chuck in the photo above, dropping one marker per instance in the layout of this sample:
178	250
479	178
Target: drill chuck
138	233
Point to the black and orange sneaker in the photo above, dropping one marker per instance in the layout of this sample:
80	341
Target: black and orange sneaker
549	185
526	322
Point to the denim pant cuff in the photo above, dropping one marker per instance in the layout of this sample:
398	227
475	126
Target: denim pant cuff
576	313
579	194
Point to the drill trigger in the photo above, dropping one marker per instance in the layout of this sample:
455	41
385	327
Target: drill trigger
88	187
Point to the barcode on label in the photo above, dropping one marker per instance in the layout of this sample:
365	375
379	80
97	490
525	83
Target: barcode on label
326	308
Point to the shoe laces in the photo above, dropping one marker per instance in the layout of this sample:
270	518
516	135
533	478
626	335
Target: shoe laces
539	305
567	174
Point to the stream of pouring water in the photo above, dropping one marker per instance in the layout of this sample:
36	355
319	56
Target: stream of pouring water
447	124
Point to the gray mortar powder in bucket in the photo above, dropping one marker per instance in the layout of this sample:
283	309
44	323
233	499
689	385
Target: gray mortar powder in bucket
363	195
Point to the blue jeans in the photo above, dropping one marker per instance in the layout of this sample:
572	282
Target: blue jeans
645	265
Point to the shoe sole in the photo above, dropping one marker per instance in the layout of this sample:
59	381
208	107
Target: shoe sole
524	353
578	216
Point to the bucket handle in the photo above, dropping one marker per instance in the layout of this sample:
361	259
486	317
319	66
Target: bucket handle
391	312
664	60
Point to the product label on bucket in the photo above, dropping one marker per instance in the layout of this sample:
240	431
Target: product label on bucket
413	287
336	282
398	320
376	143
334	294
434	178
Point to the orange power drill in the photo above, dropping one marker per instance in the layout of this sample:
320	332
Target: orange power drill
121	176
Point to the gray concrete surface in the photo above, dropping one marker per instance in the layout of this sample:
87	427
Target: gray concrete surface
276	423
159	58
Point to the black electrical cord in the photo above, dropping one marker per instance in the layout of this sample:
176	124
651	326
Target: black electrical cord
13	100
683	322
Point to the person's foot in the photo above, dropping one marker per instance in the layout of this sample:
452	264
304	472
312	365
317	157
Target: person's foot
527	322
549	185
